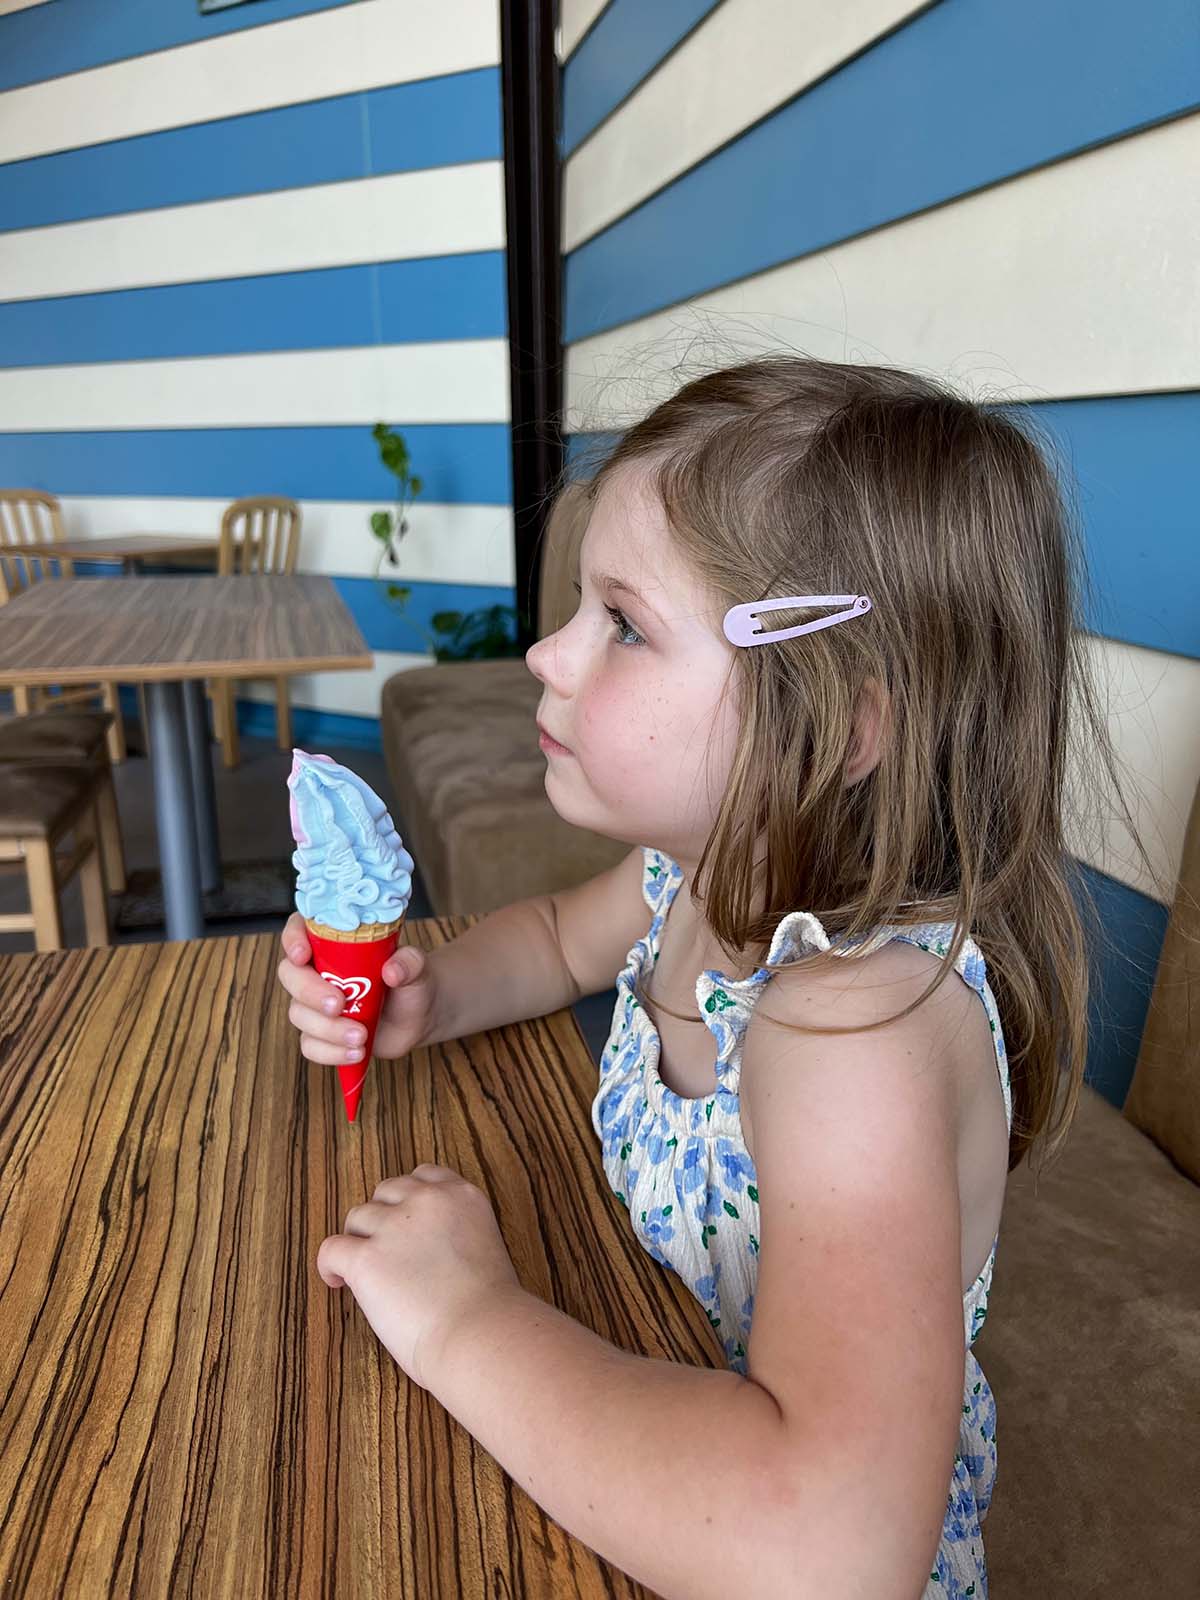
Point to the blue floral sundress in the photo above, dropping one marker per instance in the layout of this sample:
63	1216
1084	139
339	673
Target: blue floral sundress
682	1170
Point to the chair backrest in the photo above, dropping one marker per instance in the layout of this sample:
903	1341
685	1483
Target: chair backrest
561	540
29	516
259	534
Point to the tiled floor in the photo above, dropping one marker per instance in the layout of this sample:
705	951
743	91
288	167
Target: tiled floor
253	822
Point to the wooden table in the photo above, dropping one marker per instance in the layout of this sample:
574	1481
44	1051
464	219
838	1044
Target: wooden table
171	634
186	1409
130	549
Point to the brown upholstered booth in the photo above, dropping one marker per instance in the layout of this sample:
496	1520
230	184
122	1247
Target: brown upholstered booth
1092	1343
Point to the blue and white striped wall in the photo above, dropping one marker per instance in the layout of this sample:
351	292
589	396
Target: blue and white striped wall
229	245
1003	195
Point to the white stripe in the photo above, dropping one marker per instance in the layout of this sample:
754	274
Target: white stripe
1078	279
1152	699
7	6
462	381
446	543
366	45
440	211
575	18
354	694
745	59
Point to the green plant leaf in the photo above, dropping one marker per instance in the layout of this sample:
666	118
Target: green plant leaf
381	525
445	621
398	591
415	484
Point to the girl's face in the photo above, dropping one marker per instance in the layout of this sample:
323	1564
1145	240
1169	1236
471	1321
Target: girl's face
638	700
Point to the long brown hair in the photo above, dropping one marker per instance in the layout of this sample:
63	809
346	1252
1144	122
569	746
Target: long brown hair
787	475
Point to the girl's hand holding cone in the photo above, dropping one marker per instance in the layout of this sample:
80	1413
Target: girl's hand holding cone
405	1023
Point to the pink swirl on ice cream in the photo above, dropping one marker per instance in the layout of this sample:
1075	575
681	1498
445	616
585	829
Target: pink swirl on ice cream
351	866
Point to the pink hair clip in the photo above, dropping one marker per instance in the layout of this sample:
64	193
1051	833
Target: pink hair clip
740	626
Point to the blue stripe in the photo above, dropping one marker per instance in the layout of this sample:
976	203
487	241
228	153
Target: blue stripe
461	463
385	627
41	43
958	99
311	730
1123	965
433	123
395	302
1138	475
624	46
1138	472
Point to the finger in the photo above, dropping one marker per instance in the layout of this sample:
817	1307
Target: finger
365	1221
336	1259
327	1054
304	985
295	939
391	1191
404	966
333	1030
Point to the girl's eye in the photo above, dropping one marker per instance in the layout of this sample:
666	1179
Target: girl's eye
626	633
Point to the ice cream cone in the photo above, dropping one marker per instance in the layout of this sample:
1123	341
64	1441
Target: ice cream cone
354	960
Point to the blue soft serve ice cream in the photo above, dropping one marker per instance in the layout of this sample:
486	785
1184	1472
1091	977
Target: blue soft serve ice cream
351	866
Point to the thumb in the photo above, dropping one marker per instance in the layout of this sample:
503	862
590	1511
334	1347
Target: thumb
403	966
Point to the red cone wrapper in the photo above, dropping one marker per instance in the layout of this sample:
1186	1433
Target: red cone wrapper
355	963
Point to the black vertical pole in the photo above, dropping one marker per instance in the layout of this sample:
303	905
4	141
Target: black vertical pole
529	76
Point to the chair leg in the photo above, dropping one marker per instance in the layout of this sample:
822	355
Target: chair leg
21	699
116	734
111	843
143	716
229	727
218	712
43	894
283	714
91	882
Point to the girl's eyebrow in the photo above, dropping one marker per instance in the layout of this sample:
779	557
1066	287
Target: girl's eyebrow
606	581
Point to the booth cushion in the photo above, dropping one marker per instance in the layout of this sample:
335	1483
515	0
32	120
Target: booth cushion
1092	1349
1164	1100
460	740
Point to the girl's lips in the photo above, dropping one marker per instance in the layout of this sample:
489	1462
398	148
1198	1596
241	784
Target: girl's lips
549	745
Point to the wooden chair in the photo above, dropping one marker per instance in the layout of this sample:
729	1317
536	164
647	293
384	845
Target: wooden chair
28	516
258	535
72	738
39	807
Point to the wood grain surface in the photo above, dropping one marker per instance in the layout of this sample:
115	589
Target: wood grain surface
185	1409
71	630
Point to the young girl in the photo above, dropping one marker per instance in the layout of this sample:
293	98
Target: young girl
819	679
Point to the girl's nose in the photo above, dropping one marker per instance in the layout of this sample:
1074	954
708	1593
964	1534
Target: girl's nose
534	657
547	660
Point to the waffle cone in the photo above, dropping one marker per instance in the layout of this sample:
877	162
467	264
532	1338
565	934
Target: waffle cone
365	933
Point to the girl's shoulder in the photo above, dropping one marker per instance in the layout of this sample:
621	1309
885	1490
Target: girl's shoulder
860	988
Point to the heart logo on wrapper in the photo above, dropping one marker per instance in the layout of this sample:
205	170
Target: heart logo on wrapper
357	989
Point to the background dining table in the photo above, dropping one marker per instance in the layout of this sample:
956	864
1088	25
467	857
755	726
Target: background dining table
171	633
188	1410
129	549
